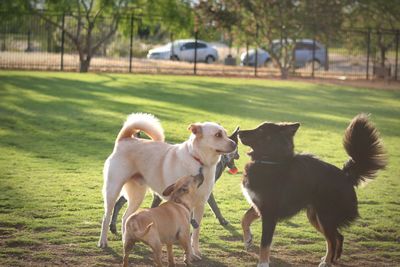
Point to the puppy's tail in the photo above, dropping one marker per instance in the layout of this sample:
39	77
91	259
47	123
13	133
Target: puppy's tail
137	122
140	233
362	143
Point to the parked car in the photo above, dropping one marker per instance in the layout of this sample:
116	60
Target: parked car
184	50
303	54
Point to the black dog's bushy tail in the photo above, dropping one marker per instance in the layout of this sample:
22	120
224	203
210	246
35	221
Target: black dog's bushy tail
362	143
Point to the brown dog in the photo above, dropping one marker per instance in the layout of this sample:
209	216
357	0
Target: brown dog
166	224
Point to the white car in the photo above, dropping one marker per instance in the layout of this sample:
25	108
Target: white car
303	53
184	50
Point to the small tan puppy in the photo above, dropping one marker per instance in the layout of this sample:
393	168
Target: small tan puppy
166	224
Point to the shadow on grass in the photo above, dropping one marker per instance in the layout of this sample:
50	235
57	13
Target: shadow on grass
75	111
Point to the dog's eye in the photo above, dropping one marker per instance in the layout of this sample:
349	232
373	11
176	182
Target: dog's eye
219	135
183	190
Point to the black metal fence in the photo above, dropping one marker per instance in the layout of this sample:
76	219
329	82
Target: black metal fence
29	42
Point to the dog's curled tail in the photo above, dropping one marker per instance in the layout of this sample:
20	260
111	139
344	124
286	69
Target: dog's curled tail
141	122
362	143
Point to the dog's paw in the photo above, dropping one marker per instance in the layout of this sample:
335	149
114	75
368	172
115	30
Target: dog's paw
195	257
223	222
197	253
102	244
113	229
324	264
263	264
189	259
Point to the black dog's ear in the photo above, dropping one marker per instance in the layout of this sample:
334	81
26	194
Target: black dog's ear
234	135
291	128
168	190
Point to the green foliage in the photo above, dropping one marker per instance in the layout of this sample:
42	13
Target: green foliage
58	128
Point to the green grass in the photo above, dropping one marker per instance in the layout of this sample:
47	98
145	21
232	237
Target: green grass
56	130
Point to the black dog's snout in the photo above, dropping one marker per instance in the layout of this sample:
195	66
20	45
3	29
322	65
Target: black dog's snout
199	178
233	145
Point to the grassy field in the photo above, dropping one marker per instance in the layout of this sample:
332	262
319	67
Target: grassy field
56	130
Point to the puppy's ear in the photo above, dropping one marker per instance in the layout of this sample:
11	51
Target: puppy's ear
234	135
195	128
168	190
291	128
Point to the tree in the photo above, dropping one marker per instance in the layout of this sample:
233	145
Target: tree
381	16
261	22
89	28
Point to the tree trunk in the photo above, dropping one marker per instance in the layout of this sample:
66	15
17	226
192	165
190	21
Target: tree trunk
326	67
383	52
84	64
284	72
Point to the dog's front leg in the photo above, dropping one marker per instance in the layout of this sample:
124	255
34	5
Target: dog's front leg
213	205
268	228
197	216
184	240
249	217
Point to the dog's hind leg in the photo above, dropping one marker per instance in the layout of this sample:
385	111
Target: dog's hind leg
330	232
135	192
312	217
171	260
215	209
128	245
314	220
120	203
111	191
157	253
339	246
249	217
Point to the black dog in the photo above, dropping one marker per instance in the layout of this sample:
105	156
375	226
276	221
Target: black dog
280	183
227	160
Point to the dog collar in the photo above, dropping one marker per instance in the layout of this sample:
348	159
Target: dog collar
184	205
201	164
267	162
198	160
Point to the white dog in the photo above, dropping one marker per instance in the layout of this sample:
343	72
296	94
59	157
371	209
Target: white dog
136	164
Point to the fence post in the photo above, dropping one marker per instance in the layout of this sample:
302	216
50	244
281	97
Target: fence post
256	53
195	52
171	39
368	50
62	41
313	57
397	54
131	44
247	53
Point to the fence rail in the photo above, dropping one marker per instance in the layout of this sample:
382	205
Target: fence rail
29	42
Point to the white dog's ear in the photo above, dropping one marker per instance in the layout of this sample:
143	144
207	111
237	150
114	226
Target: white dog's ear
195	128
168	190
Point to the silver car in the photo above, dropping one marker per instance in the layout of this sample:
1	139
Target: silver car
303	54
184	50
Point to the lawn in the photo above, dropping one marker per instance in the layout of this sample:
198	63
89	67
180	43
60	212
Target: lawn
56	130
